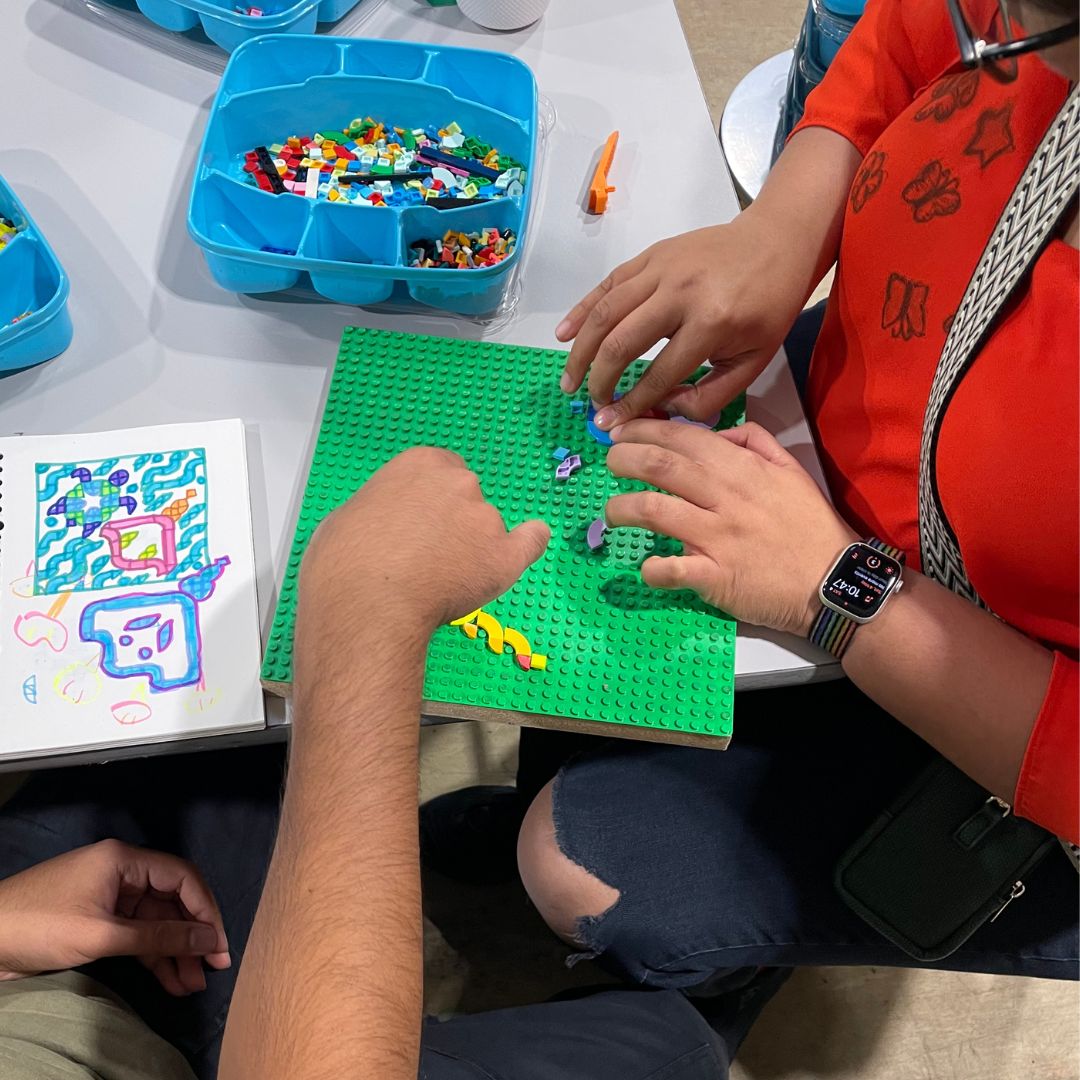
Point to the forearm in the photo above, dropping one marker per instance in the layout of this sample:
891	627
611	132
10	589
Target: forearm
967	683
331	985
804	199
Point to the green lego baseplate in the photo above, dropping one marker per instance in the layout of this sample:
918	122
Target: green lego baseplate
643	662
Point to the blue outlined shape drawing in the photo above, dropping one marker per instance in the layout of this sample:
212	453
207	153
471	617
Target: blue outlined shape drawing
153	635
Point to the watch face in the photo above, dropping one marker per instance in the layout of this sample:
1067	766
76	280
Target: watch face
859	583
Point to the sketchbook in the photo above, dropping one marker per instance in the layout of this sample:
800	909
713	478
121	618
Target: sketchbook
128	611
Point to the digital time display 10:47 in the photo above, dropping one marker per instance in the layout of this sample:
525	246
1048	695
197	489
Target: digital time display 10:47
861	581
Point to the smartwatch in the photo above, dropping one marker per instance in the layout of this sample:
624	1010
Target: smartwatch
854	592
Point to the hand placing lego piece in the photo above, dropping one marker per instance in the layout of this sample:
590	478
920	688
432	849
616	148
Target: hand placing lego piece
727	294
703	292
415	547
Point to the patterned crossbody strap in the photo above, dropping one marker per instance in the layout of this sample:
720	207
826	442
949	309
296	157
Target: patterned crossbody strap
1048	185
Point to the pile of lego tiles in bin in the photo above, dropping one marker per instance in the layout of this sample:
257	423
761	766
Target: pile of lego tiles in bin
8	229
464	251
374	164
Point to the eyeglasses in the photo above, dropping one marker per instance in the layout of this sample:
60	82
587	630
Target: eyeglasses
976	51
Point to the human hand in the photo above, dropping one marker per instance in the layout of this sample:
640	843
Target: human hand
112	899
757	532
417	545
704	291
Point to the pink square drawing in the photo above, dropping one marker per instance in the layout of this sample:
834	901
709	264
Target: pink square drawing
142	543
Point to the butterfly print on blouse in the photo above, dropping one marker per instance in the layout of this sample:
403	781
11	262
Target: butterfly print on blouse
871	177
904	313
993	135
935	192
955	92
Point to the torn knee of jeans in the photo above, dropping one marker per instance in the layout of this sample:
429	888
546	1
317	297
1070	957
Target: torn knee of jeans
589	935
591	932
588	928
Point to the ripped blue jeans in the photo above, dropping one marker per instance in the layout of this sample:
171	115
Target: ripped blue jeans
724	859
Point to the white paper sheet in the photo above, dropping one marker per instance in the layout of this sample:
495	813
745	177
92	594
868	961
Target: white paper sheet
128	610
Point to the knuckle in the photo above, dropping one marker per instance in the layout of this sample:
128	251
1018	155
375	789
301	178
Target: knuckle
603	314
613	350
654	379
716	315
427	456
607	284
661	462
700	403
652	506
155	939
468	483
110	850
673	571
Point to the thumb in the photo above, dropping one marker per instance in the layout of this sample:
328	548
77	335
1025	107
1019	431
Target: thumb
139	937
529	541
678	572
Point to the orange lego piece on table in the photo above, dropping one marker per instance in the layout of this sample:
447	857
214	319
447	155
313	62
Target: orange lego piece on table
599	189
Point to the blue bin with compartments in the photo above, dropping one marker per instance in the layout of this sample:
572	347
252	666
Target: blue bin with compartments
346	252
228	23
34	322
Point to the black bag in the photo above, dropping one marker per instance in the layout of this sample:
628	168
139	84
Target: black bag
947	857
940	862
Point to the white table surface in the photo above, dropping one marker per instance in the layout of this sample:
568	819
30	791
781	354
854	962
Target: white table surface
100	135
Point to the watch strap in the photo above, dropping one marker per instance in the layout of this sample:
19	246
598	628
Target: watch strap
833	631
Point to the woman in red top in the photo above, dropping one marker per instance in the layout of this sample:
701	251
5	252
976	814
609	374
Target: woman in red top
678	865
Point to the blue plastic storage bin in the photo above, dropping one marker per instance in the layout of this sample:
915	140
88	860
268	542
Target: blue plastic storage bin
351	253
31	279
224	25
